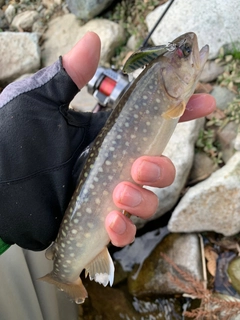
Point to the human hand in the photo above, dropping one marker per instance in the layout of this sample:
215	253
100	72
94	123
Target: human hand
151	171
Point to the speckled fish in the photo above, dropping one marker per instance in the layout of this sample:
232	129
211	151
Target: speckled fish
141	124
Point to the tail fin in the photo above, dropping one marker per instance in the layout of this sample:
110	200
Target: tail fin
75	290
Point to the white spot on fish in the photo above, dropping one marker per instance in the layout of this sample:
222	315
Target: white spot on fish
76	221
100	169
63	245
62	255
110	178
126	124
90	225
69	261
127	143
111	148
87	235
105	192
95	179
78	244
97	201
74	231
65	221
133	136
72	255
119	136
79	214
148	123
88	210
135	116
64	233
108	163
85	174
145	97
158	100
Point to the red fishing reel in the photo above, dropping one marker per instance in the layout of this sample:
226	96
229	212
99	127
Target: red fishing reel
107	86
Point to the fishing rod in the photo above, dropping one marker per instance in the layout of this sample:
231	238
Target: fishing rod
108	85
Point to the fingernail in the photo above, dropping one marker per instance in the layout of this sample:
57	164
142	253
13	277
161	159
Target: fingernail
118	225
128	196
149	172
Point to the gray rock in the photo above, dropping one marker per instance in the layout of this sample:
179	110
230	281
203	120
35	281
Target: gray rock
211	205
19	54
222	96
202	168
10	13
83	101
3	21
153	278
64	32
215	22
180	150
211	71
227	137
87	9
25	20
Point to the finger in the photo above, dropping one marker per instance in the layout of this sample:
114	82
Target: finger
199	106
153	171
120	229
82	61
135	199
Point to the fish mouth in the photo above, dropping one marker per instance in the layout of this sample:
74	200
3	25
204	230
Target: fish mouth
199	58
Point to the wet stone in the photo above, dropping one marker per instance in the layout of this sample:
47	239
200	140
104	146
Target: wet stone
152	279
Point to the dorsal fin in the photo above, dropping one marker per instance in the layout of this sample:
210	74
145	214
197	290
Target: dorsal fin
142	57
101	269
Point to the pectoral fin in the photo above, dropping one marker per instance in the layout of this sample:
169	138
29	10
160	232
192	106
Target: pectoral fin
49	254
174	111
101	269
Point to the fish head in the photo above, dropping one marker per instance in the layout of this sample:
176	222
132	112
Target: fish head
183	64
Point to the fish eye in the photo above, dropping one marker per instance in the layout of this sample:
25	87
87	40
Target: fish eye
186	49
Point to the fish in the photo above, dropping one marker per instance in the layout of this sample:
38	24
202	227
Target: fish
141	124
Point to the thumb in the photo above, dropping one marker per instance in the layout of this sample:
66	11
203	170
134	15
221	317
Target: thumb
81	62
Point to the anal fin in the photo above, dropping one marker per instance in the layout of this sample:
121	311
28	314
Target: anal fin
101	269
174	111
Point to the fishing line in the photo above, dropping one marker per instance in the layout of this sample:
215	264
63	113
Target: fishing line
145	42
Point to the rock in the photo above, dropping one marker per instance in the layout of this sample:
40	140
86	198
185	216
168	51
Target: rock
227	137
51	3
211	205
83	101
222	96
234	273
108	303
2	3
211	71
87	9
215	22
64	32
202	168
153	279
10	13
180	150
3	21
19	53
25	20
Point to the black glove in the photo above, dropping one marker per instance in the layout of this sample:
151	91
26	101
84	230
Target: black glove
40	142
